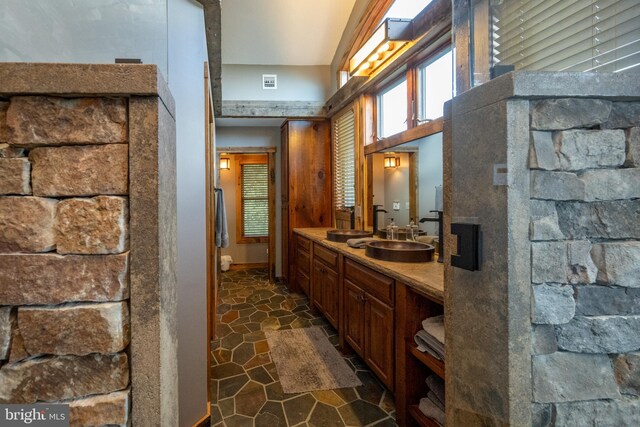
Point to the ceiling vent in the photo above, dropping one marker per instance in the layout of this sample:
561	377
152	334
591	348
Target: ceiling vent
269	81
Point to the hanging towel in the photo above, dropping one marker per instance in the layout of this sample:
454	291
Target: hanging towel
222	232
431	410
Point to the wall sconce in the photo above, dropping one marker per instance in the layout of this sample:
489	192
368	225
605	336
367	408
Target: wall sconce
391	162
225	163
388	39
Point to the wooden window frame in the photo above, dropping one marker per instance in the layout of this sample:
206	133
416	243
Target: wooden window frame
244	159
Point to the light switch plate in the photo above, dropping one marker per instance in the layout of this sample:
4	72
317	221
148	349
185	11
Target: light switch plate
396	206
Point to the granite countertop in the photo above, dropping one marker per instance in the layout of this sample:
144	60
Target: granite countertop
425	277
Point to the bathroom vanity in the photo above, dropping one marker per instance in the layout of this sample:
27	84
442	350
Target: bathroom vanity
377	307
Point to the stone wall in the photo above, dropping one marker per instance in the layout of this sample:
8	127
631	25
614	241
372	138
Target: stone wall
585	261
64	255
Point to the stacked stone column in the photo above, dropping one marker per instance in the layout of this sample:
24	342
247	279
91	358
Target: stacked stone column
585	258
64	277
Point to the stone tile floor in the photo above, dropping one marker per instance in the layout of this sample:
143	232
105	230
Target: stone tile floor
246	390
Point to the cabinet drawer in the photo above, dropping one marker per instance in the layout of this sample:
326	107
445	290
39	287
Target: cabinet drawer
328	256
303	261
378	285
303	243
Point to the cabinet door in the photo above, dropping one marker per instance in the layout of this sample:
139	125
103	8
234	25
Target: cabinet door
302	270
354	313
331	296
318	286
379	341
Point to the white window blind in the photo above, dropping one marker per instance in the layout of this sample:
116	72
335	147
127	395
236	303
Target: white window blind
255	200
567	35
344	160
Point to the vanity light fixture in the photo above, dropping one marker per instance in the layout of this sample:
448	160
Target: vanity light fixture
391	162
388	39
225	163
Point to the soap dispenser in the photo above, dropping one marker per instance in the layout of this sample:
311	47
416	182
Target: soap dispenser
410	230
392	231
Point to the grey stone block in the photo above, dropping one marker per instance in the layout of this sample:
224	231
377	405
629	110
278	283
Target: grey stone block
553	304
544	339
6	324
623	115
544	221
547	185
600	413
542	415
581	268
601	334
633	147
567	113
618	263
542	154
590	149
600	220
607	300
611	184
627	371
548	262
566	377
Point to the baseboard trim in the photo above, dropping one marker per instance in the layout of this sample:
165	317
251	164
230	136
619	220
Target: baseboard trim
206	420
235	267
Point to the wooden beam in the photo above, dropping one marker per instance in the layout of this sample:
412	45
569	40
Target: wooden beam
283	109
417	132
213	29
431	27
246	150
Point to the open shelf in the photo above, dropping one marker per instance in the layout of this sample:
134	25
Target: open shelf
437	366
421	418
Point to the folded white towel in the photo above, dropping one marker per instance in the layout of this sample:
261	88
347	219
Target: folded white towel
428	344
432	397
435	327
431	240
432	411
360	243
436	385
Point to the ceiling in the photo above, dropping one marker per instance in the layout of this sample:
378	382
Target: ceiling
282	32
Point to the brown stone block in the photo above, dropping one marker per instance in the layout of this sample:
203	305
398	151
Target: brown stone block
41	120
15	175
92	226
17	351
27	279
103	409
80	171
75	329
6	325
26	224
56	378
4	131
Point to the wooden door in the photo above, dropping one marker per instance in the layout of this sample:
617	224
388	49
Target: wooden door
331	296
318	285
354	317
379	341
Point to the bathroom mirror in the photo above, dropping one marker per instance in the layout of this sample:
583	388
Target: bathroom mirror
403	180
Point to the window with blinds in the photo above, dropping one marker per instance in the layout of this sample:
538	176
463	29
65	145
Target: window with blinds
344	160
567	35
254	200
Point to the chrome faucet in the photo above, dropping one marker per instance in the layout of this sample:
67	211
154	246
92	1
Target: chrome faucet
376	210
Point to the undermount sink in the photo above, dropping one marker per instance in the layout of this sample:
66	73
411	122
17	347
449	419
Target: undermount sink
344	235
400	251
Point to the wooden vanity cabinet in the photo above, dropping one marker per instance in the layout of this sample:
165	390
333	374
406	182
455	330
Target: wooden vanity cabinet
326	283
303	264
306	185
369	318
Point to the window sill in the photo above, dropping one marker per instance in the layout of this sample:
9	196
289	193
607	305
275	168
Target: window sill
420	131
249	240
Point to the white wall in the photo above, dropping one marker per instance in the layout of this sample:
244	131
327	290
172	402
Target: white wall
295	83
396	188
187	54
251	137
92	31
429	175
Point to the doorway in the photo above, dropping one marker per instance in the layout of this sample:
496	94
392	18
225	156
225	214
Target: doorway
247	176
